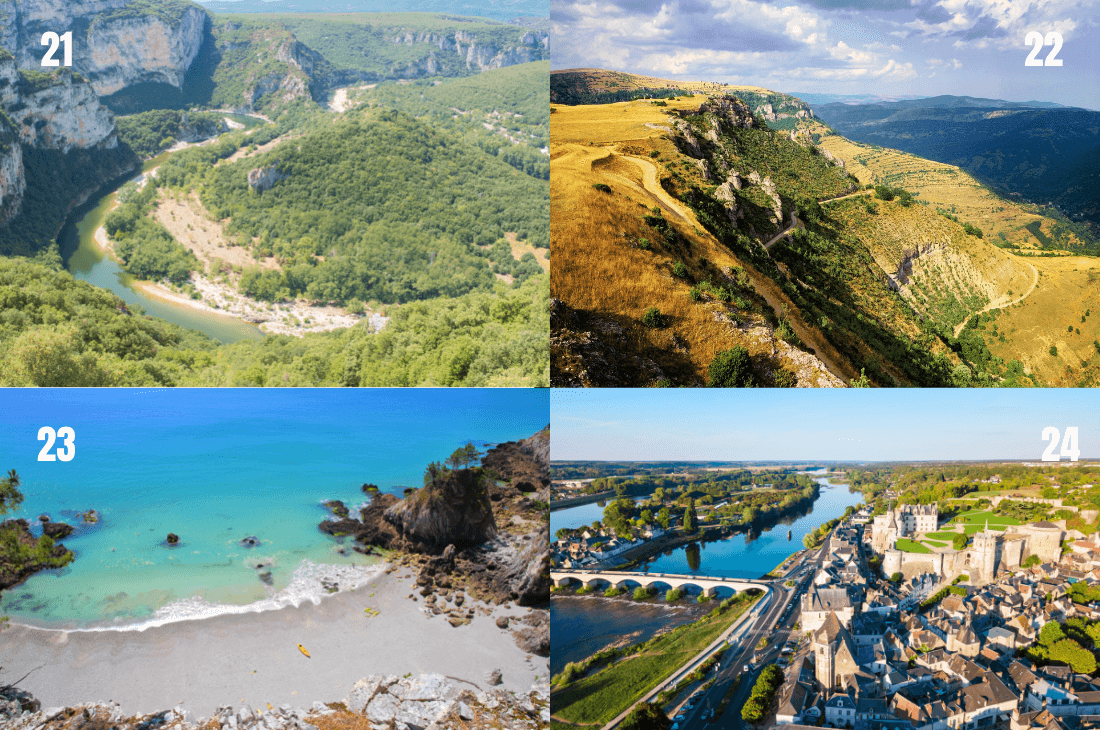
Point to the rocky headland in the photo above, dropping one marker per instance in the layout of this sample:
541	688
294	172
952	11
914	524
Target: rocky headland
479	533
31	555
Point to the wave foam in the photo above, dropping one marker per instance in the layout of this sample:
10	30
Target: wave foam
305	585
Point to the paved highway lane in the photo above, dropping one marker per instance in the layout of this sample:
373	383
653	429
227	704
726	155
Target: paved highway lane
776	624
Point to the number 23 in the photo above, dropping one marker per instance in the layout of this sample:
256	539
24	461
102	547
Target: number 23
48	435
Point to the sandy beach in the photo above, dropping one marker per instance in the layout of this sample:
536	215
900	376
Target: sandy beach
254	658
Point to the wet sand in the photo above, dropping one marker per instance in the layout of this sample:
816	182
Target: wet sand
254	658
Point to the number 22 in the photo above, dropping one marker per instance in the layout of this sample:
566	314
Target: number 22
1035	38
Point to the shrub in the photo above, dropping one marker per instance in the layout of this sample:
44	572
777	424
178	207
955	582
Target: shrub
731	369
674	594
679	270
653	318
1053	351
641	593
602	188
643	243
895	578
695	294
784	379
654	153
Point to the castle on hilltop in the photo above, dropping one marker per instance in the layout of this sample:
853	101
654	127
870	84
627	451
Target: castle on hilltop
903	521
990	553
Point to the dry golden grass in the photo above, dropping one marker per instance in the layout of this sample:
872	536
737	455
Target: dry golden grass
943	186
936	254
597	270
1067	289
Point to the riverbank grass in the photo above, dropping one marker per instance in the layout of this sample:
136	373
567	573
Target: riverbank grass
601	695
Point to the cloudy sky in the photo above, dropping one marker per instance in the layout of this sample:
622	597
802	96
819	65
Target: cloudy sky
884	47
817	424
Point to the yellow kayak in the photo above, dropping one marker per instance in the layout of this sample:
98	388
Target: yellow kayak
303	650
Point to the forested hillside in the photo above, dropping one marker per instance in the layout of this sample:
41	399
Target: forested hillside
57	331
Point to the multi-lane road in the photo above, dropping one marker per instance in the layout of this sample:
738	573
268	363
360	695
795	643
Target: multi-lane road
776	625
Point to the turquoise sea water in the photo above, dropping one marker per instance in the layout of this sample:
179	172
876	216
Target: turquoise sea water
215	466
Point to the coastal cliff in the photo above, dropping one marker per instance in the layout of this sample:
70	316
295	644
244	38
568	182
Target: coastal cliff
115	43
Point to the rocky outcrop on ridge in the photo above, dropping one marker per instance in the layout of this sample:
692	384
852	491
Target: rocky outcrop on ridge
424	702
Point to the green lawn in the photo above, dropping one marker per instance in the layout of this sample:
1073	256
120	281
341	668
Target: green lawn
911	546
935	543
944	535
980	517
599	697
972	528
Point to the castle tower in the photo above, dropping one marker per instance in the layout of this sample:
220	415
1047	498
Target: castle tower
891	561
985	544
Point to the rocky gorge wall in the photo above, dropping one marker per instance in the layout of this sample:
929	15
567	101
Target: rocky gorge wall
114	46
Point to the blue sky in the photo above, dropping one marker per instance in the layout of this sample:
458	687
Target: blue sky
881	47
863	425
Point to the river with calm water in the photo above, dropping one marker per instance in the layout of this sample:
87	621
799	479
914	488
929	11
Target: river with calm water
581	626
86	261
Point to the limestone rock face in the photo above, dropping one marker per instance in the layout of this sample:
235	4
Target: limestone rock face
729	111
262	178
455	509
63	117
12	179
112	47
480	55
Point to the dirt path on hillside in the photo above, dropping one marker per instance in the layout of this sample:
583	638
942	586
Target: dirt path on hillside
823	350
652	185
795	223
1020	298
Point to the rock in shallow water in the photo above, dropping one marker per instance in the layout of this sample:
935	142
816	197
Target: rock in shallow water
173	538
250	541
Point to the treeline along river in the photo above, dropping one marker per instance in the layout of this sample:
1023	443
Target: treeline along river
583	625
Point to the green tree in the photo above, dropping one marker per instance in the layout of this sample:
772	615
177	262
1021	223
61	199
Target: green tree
896	577
731	369
10	496
664	517
646	717
1031	561
1051	633
960	541
689	517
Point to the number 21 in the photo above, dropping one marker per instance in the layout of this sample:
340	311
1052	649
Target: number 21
53	40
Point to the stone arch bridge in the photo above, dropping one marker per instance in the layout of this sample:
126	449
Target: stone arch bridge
619	579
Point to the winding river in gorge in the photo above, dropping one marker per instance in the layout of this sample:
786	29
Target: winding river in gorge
85	260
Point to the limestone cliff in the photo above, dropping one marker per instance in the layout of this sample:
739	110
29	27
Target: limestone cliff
52	124
12	179
115	44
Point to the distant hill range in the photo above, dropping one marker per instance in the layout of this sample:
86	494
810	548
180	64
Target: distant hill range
1040	151
503	10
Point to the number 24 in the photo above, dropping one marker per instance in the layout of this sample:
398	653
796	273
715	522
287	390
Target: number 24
48	435
1035	38
1069	444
